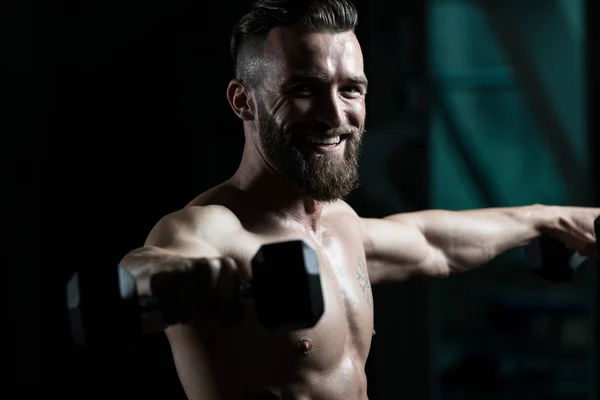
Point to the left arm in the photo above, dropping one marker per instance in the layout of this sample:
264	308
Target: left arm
440	243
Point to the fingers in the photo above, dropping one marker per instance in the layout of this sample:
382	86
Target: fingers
177	291
224	292
593	249
196	289
229	306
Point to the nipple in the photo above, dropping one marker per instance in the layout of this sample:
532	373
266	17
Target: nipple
304	346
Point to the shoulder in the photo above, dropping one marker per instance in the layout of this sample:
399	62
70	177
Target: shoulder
350	220
345	215
209	222
208	217
343	210
208	214
340	207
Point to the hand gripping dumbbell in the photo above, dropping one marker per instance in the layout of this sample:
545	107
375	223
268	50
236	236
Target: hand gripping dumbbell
106	312
552	260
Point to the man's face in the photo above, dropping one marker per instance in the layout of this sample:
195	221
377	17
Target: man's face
311	110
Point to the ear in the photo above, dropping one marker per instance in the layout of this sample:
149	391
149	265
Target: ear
240	99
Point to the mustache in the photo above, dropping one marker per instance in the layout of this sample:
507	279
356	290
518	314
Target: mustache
328	132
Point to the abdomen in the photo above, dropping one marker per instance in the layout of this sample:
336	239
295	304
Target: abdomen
238	378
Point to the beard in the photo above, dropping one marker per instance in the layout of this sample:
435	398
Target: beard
320	176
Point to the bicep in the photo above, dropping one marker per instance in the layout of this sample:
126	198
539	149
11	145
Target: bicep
396	250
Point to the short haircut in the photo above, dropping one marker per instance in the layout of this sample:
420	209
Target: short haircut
248	36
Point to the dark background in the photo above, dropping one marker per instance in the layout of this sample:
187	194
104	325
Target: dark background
116	115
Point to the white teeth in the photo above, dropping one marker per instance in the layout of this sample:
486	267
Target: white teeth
323	140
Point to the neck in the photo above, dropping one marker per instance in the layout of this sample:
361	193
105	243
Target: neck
271	194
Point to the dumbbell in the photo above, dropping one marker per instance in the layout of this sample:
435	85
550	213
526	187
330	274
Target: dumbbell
106	312
550	259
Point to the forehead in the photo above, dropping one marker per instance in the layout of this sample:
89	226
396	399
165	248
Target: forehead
290	49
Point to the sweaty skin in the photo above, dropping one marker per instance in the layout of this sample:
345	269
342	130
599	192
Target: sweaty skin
245	360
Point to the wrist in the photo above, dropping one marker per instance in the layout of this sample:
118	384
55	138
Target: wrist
545	219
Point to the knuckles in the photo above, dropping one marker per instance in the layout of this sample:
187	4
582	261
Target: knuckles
199	288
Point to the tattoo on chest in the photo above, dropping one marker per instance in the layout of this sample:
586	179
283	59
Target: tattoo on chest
363	280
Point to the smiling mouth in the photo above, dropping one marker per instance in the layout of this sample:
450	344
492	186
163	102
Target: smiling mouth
320	140
327	141
321	144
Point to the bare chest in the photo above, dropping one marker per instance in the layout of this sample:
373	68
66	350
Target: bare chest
344	331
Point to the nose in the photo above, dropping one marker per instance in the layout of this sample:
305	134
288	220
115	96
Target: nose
330	111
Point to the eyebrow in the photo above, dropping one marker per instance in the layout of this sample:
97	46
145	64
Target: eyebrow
316	75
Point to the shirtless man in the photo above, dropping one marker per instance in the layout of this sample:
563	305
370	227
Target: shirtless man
300	94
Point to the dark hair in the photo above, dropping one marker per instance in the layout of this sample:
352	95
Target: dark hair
315	15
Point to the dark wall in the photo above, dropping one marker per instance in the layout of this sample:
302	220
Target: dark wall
143	103
117	110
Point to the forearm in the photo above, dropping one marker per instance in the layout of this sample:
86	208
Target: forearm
468	239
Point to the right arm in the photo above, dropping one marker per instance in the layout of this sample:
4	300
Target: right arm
178	242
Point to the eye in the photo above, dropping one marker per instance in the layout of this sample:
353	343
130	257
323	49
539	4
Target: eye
353	90
303	90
